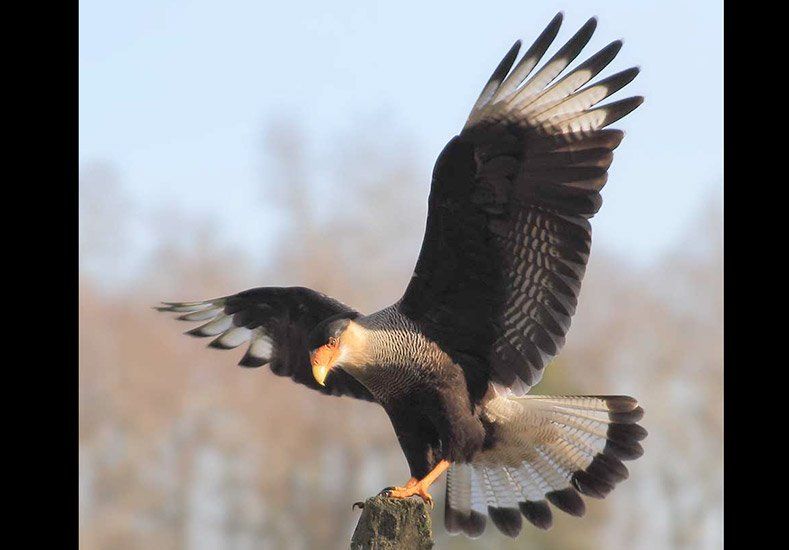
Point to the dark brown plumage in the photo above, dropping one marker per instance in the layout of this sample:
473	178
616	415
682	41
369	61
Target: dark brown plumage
490	302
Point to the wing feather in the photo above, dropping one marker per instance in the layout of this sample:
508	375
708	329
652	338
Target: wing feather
535	86
508	235
276	323
530	58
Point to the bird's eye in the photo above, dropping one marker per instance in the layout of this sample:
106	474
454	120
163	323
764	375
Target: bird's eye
332	342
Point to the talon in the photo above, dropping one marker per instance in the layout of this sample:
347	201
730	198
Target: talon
360	504
416	487
387	491
427	499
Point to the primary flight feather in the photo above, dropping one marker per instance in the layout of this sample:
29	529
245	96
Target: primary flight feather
489	305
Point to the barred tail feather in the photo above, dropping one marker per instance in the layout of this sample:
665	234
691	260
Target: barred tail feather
545	450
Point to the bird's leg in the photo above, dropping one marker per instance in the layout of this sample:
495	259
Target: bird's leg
420	487
408	484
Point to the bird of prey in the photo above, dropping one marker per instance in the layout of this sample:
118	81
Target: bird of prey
494	289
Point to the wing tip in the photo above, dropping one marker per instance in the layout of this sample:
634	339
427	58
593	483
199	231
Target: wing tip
591	23
218	344
251	361
630	103
508	60
634	71
556	22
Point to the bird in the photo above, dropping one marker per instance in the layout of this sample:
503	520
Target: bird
490	301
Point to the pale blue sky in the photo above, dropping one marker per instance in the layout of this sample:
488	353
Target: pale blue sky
177	94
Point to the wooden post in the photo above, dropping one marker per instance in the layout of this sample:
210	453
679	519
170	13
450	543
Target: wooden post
392	523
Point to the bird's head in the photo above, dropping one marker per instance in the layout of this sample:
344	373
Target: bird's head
334	343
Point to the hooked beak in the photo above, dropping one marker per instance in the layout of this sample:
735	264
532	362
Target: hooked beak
323	360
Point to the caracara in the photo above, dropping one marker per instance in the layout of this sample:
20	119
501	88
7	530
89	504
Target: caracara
487	308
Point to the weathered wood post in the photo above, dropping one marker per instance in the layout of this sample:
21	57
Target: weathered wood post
389	523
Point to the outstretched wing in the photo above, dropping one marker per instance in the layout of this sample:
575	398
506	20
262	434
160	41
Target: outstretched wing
508	236
275	322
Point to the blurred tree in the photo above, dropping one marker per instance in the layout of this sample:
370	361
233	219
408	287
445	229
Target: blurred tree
179	449
103	223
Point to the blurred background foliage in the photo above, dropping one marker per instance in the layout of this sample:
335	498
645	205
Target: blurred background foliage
181	449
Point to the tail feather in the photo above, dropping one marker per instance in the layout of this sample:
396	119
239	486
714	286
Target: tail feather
498	489
545	450
465	509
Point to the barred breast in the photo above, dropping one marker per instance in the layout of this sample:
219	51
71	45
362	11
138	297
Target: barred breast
400	359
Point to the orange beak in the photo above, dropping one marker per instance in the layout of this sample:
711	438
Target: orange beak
323	360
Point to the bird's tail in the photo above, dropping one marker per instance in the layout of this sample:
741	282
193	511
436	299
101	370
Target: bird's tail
542	450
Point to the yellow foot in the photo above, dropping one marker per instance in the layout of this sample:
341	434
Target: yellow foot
408	484
416	489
